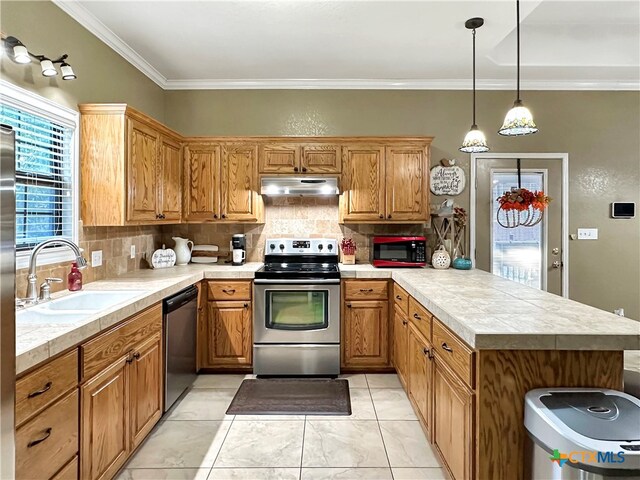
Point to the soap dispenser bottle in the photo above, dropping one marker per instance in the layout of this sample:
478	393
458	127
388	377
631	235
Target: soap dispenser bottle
74	280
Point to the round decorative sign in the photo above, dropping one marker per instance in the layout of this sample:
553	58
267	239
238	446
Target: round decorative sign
447	180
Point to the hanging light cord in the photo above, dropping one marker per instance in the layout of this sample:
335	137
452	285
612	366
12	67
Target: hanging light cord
474	77
519	176
518	50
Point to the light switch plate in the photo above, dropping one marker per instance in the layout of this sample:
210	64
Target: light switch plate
587	234
133	251
96	258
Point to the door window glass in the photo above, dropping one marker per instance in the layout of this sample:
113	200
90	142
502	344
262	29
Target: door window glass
297	309
517	253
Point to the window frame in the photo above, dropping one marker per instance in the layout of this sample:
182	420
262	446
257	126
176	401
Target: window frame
35	104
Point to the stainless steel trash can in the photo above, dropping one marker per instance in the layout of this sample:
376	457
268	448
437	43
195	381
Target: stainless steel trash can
582	434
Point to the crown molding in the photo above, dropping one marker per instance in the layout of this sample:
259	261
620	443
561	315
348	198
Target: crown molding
79	13
85	18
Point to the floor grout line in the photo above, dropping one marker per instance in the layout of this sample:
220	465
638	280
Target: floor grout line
384	445
304	431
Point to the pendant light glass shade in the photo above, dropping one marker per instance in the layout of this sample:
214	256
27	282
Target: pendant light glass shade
48	70
474	141
67	72
21	55
518	120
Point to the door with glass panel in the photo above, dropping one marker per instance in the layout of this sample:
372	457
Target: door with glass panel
528	255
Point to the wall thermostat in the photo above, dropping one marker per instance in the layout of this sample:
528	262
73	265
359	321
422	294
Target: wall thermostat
623	210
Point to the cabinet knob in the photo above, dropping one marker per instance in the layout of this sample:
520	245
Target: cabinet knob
224	215
215	215
447	347
389	216
304	169
295	169
425	350
404	322
348	305
381	216
246	305
417	317
398	297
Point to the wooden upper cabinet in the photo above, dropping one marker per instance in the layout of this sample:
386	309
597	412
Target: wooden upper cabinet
238	186
279	158
299	158
406	183
142	171
363	183
201	182
170	185
126	160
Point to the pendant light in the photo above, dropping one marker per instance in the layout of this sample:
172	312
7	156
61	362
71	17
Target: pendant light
519	120
474	141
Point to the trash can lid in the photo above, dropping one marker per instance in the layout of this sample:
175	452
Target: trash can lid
596	415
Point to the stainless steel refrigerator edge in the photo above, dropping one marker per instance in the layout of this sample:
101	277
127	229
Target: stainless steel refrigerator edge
7	305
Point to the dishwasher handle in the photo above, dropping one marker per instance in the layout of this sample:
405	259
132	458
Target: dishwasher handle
179	299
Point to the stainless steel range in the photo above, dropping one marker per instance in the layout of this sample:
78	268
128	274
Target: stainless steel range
296	323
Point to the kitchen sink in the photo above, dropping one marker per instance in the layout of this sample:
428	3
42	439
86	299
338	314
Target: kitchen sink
90	300
37	315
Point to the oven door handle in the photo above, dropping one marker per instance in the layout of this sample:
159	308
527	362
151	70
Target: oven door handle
309	281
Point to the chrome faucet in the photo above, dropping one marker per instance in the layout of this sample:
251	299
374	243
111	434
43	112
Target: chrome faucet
32	278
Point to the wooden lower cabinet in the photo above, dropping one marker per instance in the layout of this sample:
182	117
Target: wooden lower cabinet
400	344
453	434
229	341
69	471
365	339
420	375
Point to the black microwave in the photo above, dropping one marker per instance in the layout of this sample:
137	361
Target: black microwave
399	251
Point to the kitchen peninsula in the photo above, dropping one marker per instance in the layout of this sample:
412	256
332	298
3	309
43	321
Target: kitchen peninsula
486	341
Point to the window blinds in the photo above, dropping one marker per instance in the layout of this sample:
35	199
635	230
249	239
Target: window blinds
44	204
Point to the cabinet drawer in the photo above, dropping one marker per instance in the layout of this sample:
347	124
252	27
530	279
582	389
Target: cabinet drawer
229	290
49	441
366	290
40	388
102	351
420	317
401	298
453	352
69	471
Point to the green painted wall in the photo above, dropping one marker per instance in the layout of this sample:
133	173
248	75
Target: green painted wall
599	131
103	75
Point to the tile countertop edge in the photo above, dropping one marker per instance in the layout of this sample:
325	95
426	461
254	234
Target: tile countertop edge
158	284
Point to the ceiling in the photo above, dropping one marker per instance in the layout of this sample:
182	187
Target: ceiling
370	44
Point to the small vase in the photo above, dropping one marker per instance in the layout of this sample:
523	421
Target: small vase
348	259
461	263
183	250
441	259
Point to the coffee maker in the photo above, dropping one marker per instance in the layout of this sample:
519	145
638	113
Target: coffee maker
238	248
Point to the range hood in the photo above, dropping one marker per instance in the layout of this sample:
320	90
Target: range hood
301	186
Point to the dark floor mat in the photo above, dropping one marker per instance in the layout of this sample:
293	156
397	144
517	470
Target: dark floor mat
280	396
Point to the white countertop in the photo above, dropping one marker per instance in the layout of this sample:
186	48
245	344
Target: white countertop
486	311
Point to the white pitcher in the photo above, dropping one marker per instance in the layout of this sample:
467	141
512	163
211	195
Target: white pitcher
183	250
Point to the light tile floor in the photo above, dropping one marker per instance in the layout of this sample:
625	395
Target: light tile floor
381	440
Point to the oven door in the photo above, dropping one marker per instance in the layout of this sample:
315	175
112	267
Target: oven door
290	312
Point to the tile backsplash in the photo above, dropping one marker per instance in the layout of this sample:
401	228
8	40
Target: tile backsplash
288	217
115	243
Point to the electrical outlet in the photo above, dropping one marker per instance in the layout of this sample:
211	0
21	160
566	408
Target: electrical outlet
587	234
96	258
133	251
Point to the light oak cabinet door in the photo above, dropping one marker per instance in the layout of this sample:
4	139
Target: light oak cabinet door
105	422
366	334
452	427
147	388
279	158
363	177
320	158
407	196
229	336
420	374
400	344
142	173
238	199
170	185
201	182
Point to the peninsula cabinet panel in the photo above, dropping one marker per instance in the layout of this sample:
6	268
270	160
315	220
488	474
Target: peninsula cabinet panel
105	440
201	182
406	175
321	158
170	185
366	334
400	344
239	197
69	471
125	159
229	336
452	427
279	158
146	389
363	176
420	374
142	172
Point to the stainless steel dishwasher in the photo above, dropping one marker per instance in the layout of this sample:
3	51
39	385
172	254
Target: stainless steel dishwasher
180	317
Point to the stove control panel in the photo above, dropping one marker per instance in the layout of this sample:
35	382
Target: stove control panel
301	246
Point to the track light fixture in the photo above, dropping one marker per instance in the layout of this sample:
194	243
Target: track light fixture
18	52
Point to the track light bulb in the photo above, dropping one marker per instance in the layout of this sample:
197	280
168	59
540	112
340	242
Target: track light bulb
48	70
20	54
67	71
